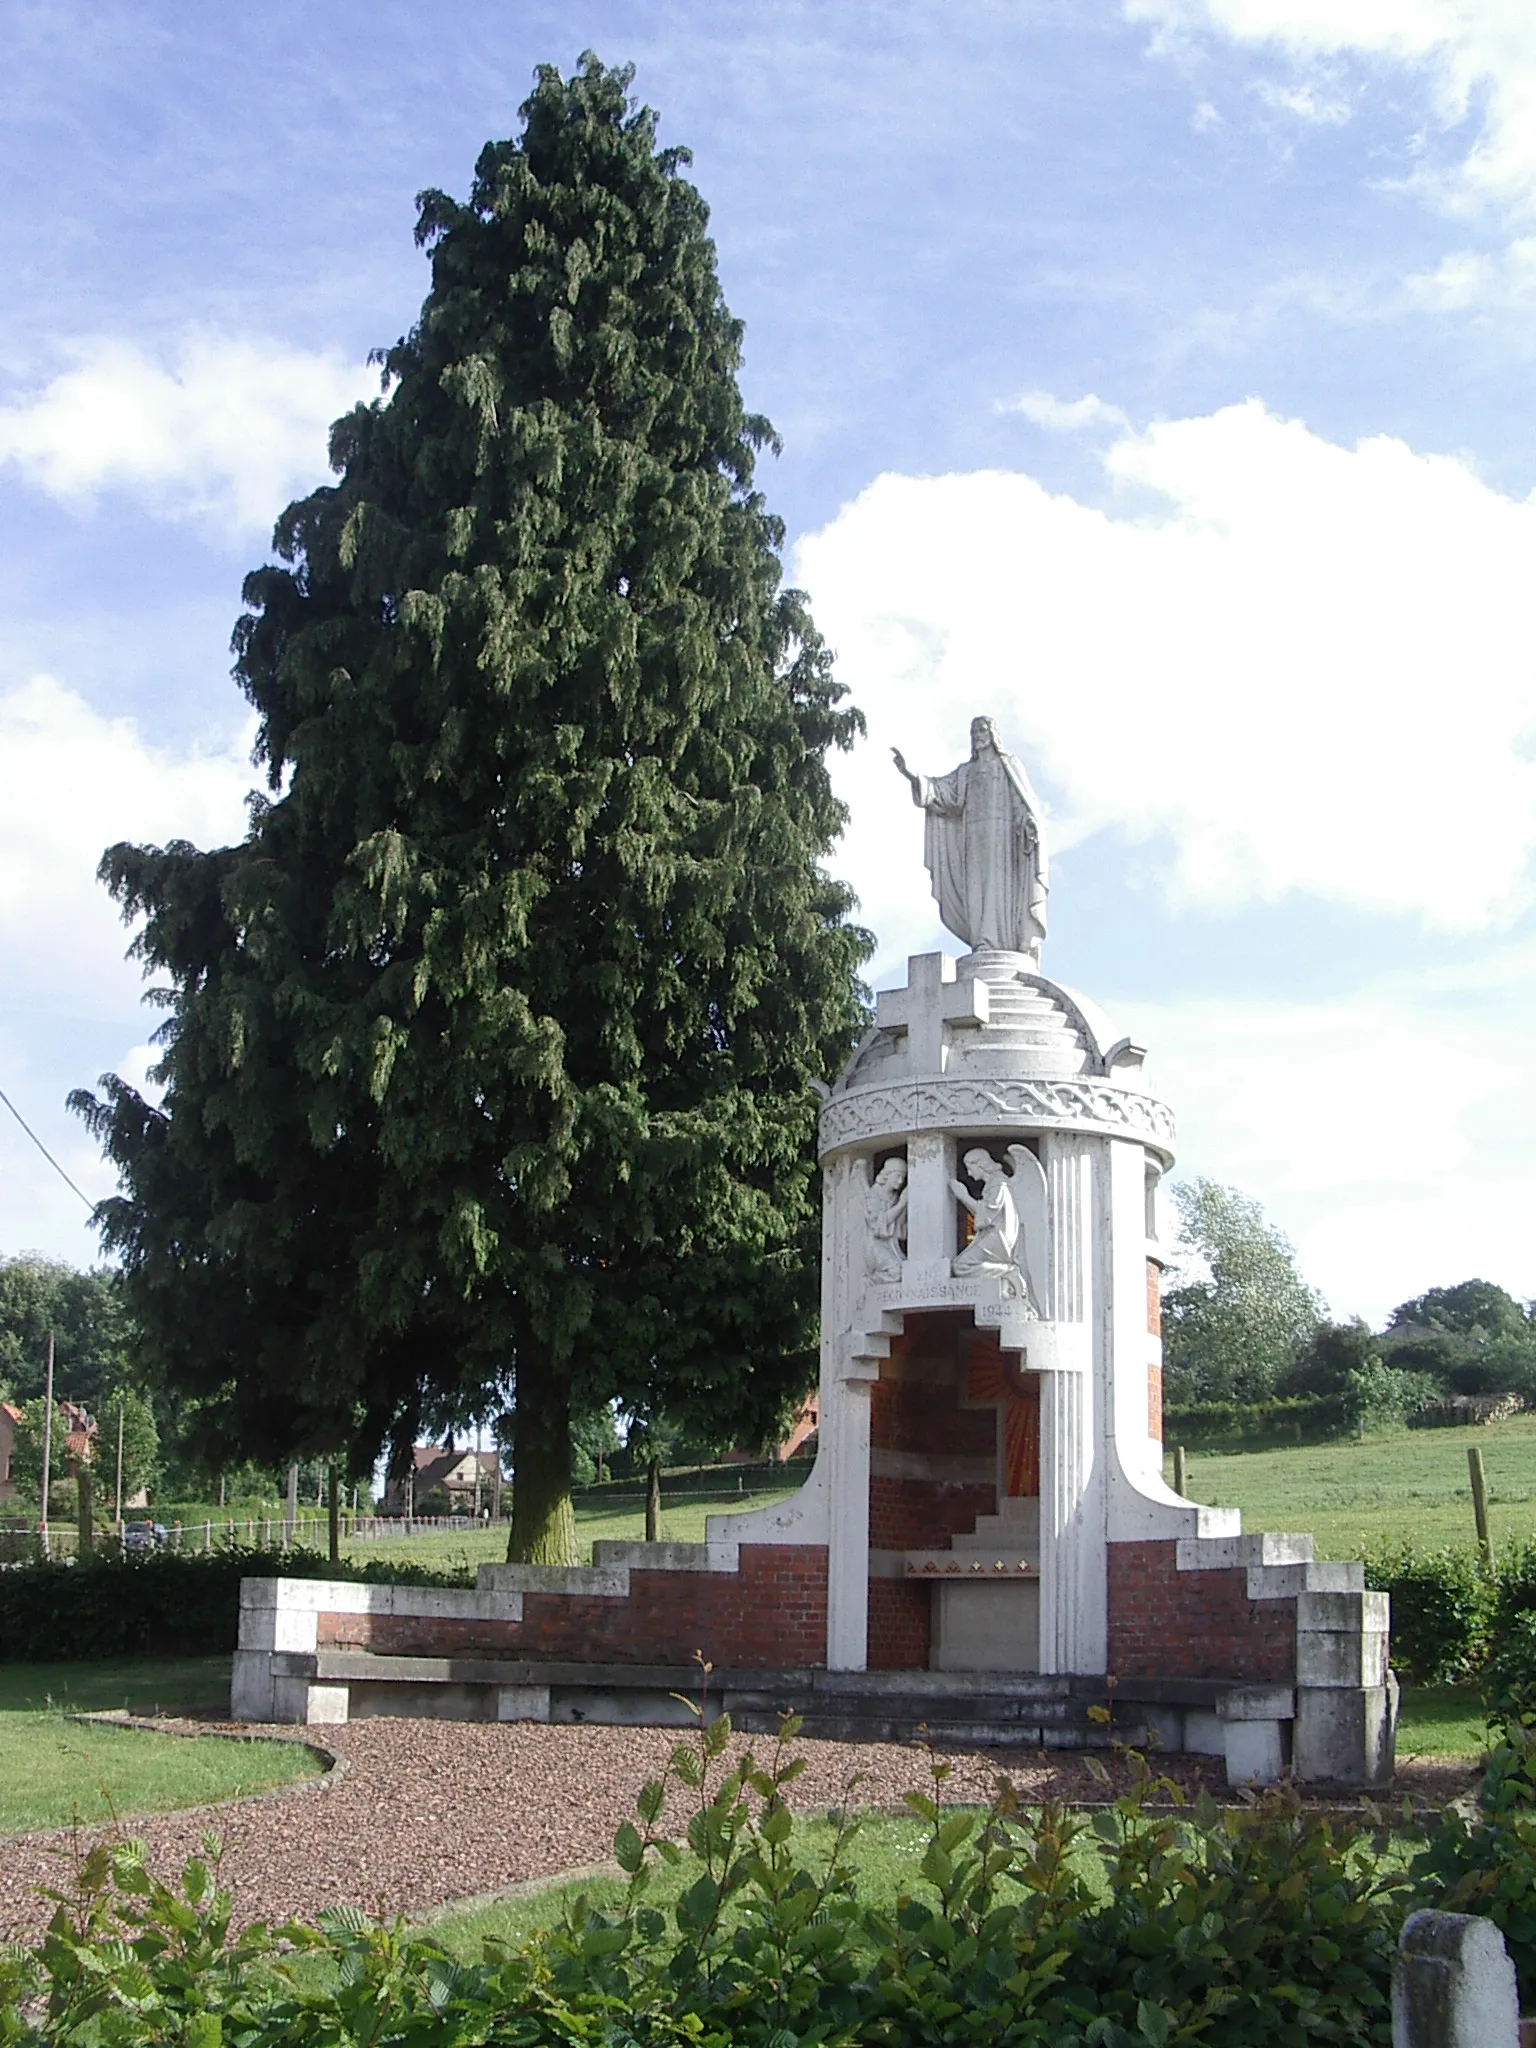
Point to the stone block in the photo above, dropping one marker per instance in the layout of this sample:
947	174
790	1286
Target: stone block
1205	1734
1344	1613
1255	1751
583	1582
1290	1581
1220	1553
1335	1658
327	1705
522	1702
1344	1734
290	1699
1453	1985
1256	1703
250	1686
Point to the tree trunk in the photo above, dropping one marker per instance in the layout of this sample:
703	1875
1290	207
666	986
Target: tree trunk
333	1492
85	1524
543	1517
653	1501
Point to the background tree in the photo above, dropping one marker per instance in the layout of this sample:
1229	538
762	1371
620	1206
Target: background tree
489	1049
1240	1316
1474	1338
87	1313
141	1445
27	1458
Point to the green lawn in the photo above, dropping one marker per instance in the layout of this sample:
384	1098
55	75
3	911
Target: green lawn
1441	1720
1412	1484
598	1519
57	1770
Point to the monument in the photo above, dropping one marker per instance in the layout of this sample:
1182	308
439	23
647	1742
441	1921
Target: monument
985	1544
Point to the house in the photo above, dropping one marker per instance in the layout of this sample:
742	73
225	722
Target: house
438	1471
10	1415
79	1434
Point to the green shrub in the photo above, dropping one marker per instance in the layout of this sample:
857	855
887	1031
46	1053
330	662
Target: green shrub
158	1603
1310	1418
1487	1864
1263	1923
1443	1609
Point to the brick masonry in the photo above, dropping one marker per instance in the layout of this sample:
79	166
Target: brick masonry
1164	1623
899	1623
769	1615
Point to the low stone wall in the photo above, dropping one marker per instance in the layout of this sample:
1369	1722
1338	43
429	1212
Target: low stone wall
1305	1643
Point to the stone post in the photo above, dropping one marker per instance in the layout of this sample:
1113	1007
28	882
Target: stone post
1453	1985
1071	1570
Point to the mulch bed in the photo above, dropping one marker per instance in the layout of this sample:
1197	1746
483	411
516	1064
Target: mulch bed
427	1812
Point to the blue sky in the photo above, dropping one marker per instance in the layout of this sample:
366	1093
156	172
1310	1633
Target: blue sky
1157	376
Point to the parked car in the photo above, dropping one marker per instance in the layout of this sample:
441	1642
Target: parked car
144	1535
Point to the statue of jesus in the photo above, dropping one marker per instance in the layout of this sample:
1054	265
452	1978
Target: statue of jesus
983	847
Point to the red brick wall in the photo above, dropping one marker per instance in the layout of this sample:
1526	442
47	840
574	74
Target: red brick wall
922	1514
919	1416
1154	1298
1164	1623
1155	1403
898	1625
769	1615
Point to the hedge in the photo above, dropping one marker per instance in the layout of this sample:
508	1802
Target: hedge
159	1603
1300	1418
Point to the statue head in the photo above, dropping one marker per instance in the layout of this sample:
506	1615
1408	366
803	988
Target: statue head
892	1175
983	735
979	1164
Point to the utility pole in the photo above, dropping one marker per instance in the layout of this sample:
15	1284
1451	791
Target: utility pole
47	1441
118	1514
496	1472
291	1532
479	1440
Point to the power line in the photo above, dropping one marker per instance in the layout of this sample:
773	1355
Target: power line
37	1141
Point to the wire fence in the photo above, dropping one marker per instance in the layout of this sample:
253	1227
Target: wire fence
312	1531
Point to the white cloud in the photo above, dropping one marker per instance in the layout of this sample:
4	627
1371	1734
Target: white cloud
1478	55
1476	277
71	783
226	434
1289	667
1064	416
1391	1133
1313	104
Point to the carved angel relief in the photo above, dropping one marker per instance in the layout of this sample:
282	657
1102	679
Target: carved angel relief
885	1222
1009	1217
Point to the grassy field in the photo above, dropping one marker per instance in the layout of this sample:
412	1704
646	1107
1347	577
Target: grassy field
599	1518
58	1770
1412	1484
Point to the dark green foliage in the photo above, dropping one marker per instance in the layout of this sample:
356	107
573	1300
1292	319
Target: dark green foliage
1443	1609
1487	1864
159	1603
1306	1418
1474	1338
1235	1327
88	1316
489	1050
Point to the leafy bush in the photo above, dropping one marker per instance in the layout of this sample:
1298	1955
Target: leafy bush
1378	1396
1443	1609
159	1603
1303	1417
1487	1864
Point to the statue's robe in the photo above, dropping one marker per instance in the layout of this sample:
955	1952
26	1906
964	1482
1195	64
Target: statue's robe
984	852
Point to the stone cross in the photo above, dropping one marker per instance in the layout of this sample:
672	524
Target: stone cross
931	999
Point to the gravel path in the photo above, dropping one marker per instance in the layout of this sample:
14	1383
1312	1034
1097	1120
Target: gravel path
431	1811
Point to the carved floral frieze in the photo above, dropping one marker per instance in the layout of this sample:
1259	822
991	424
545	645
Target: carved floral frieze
966	1104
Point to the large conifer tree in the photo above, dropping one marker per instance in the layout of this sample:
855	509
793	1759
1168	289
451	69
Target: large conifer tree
489	1048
